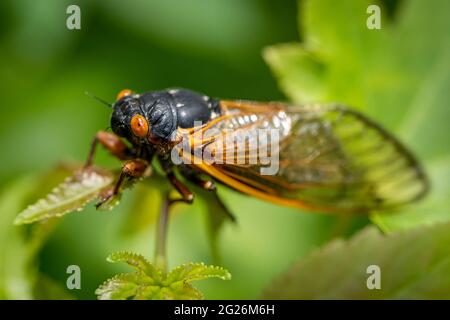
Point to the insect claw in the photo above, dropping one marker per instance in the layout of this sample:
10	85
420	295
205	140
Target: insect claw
105	196
209	185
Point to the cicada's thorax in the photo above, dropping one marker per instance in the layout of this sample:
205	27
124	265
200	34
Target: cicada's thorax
168	110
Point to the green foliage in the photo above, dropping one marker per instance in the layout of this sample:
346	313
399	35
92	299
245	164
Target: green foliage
19	246
151	283
73	194
399	75
414	264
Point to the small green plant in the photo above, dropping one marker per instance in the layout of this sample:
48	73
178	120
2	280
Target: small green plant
150	281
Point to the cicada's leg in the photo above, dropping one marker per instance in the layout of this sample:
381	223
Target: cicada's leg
194	176
134	169
186	195
112	143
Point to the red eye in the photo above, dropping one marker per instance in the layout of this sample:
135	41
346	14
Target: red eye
124	93
139	125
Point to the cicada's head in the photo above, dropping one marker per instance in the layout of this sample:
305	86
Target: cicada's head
146	118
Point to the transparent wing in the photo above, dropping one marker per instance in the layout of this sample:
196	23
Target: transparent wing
327	158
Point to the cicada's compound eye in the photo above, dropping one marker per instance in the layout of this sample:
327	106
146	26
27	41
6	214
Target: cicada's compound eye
139	126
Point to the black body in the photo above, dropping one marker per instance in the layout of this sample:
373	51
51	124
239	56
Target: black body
165	111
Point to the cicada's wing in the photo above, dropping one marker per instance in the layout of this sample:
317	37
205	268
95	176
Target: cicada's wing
325	157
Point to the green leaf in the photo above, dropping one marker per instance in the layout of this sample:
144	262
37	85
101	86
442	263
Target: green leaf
182	291
151	283
413	264
399	75
286	60
335	61
120	287
139	263
196	271
73	194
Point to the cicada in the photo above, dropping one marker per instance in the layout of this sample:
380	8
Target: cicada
317	157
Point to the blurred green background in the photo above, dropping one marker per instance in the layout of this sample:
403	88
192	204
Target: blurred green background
208	46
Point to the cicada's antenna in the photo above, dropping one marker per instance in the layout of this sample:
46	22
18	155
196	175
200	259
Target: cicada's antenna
98	99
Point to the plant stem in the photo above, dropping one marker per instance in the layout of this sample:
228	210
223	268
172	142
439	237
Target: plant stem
161	235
